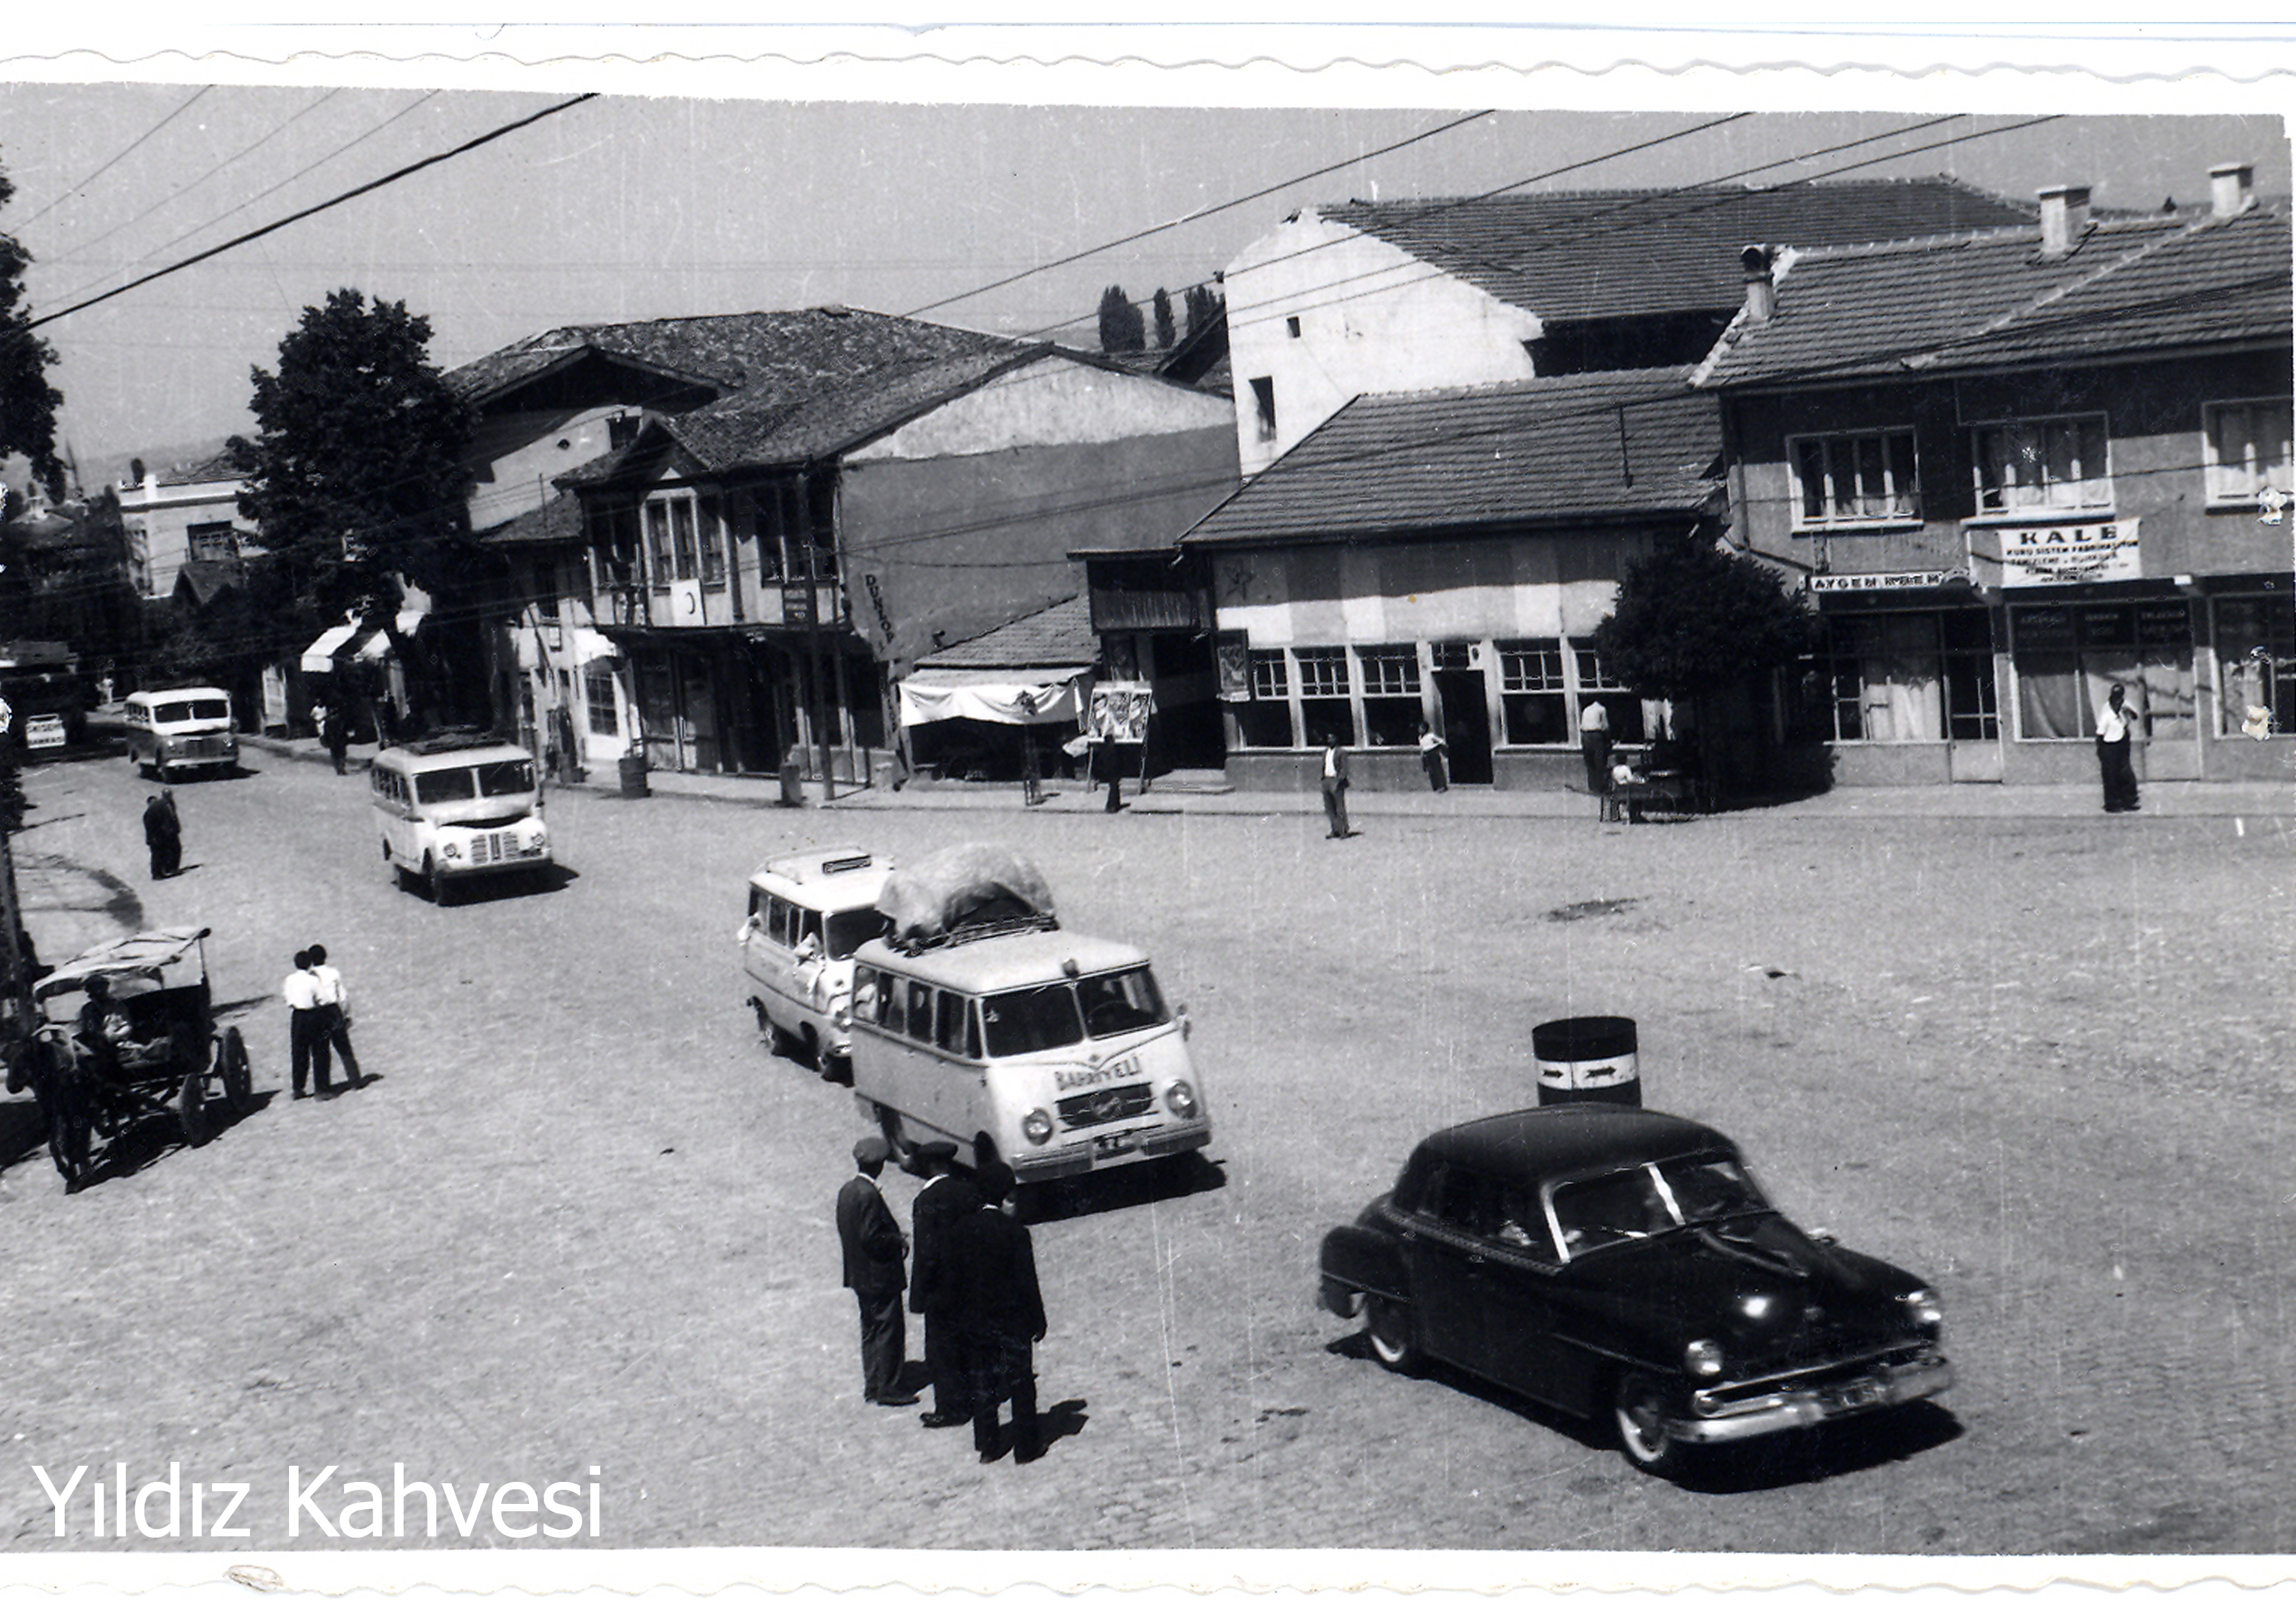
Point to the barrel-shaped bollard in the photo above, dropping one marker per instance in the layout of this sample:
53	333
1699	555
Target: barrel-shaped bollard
1586	1059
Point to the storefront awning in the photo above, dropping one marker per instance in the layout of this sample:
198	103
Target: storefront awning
580	646
1056	695
320	657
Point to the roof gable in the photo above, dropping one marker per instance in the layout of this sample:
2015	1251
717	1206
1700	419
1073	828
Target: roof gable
1592	446
1594	254
1058	637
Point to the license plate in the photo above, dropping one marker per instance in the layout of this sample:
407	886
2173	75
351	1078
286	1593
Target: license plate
1114	1143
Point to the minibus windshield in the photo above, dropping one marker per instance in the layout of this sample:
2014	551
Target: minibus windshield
1029	1019
502	778
179	709
850	928
1120	1001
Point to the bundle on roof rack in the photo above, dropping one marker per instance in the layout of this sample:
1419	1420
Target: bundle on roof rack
964	890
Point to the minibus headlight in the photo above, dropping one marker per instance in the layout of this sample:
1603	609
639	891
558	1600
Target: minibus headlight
1036	1126
450	850
1180	1099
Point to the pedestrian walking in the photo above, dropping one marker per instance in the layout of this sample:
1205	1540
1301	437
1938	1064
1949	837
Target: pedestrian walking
1335	786
999	1314
944	1199
1032	773
2116	726
1432	756
335	732
163	834
306	1049
874	1250
1594	743
334	1024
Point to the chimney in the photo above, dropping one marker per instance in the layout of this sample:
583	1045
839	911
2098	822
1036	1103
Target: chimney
2064	218
1762	288
2232	188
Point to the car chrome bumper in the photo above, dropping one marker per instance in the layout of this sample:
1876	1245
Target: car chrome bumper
1076	1159
1714	1422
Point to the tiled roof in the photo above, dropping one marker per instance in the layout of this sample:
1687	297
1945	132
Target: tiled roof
830	411
775	352
1588	254
1983	299
1057	635
202	471
1574	445
559	520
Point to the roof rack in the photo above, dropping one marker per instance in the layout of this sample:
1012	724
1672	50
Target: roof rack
974	932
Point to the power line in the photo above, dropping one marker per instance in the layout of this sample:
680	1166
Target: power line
72	190
271	228
1197	215
68	252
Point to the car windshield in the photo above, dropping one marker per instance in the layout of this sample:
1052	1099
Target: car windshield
1710	1189
1029	1019
850	928
1595	1212
1120	1001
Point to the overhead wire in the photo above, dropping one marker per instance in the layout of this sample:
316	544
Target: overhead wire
69	191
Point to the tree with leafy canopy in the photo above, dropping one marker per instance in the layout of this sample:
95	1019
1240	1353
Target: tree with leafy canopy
1200	306
1693	619
27	402
355	475
1122	328
1165	334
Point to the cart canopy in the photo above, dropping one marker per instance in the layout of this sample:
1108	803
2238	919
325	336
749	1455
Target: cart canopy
145	955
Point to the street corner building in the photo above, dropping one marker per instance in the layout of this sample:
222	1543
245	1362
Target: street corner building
731	537
2014	466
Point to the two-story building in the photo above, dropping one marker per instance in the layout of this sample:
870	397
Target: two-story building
2017	465
187	511
763	566
1385	296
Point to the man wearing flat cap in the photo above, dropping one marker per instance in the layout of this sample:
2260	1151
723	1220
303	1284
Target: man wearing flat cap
999	1314
944	1199
873	1252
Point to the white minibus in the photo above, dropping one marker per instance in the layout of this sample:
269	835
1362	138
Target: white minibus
1050	1051
182	728
450	813
809	913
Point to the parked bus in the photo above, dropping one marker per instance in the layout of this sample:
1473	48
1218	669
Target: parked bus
182	728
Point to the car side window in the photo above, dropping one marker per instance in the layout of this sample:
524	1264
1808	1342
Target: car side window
1457	1200
1520	1225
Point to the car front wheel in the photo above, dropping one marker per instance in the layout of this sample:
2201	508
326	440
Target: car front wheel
1387	1324
1639	1409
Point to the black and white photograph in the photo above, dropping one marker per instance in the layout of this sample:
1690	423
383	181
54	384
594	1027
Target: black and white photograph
976	817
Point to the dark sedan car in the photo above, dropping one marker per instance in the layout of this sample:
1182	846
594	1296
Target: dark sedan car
1603	1259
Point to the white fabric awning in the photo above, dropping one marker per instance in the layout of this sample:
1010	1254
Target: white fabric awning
582	645
320	657
1057	695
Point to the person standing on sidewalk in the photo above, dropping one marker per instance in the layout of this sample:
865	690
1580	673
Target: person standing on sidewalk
2116	726
1335	786
875	1249
304	1045
1431	755
1032	773
335	732
334	1024
999	1314
1594	744
944	1199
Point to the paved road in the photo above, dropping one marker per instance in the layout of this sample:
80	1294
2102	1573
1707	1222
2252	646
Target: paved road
582	1220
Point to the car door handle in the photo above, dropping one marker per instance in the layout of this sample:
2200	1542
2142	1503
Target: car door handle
1474	1260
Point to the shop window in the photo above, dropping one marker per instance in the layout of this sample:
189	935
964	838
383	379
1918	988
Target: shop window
1911	676
2256	664
1390	695
1533	702
2249	451
2068	659
1266	720
1324	709
1864	477
2054	465
1598	685
598	697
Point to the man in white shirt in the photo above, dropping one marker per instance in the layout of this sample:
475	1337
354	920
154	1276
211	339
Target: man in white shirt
2116	726
334	1024
1335	786
305	1042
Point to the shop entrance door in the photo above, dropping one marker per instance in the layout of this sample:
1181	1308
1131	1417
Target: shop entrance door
1466	725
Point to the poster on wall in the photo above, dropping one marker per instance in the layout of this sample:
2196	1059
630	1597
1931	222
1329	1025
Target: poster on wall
1121	711
1233	649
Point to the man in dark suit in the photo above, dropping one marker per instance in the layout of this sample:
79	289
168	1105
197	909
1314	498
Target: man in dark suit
873	1252
944	1199
1333	768
999	1314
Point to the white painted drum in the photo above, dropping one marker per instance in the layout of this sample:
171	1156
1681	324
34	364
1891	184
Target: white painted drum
1587	1059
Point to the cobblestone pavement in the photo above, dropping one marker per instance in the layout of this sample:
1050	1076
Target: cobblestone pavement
582	1220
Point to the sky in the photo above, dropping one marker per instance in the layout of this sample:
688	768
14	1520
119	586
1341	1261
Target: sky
635	206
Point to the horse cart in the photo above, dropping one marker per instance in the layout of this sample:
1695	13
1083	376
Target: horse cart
127	1032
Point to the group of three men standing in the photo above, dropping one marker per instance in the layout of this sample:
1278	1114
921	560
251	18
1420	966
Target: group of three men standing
973	1280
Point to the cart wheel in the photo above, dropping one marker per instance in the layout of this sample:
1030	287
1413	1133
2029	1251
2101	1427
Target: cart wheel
192	1108
238	1082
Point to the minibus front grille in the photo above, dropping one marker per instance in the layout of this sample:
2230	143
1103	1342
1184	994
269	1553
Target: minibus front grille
1104	1105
